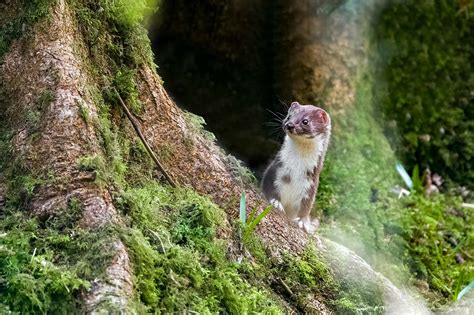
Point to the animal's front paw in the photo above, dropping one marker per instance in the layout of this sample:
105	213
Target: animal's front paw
277	205
310	226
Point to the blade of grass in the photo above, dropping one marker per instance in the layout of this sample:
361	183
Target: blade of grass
465	290
259	218
416	179
404	175
243	208
252	214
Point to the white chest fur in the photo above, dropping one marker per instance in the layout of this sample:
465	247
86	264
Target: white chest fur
298	157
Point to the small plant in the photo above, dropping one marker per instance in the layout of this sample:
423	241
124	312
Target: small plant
417	180
253	220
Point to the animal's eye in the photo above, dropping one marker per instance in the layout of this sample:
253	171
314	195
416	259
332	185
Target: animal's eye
305	121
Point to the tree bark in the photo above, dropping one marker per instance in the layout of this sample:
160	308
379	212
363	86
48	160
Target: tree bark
323	45
52	59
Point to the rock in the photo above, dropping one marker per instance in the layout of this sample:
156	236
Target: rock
352	269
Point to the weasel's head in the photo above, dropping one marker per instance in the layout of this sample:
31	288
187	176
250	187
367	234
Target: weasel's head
306	121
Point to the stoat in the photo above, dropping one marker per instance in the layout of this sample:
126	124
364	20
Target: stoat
290	182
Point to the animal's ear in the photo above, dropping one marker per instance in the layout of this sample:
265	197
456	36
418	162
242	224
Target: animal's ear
322	117
295	105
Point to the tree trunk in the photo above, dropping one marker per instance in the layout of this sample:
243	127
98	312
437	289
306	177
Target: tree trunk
52	61
323	45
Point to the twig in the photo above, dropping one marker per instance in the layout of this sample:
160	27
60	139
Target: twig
466	254
52	55
145	143
285	286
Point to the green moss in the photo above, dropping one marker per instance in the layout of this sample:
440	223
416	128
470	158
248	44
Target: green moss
114	33
359	171
110	165
26	13
346	306
96	164
140	167
180	263
309	277
107	133
307	274
197	124
241	171
84	113
124	81
436	230
130	14
311	274
106	172
166	152
118	46
44	265
45	99
254	245
91	163
427	98
22	186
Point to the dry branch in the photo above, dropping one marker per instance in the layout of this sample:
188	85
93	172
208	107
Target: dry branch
145	143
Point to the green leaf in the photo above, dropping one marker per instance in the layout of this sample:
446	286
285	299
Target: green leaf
415	177
243	208
466	289
253	224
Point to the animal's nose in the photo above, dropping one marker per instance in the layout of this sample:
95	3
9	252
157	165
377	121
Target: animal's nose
290	126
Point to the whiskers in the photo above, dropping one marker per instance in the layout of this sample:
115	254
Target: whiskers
284	105
275	124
